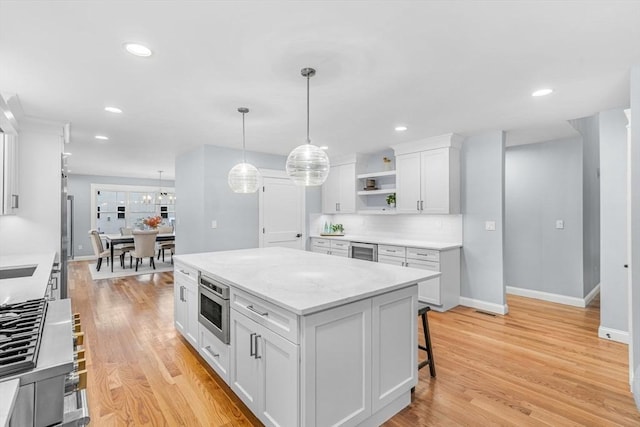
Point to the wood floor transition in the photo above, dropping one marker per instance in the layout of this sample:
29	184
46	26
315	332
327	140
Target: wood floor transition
542	364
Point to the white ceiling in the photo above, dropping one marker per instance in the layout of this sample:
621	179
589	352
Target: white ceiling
435	66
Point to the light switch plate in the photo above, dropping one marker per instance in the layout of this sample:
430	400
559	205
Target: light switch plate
559	224
214	223
490	225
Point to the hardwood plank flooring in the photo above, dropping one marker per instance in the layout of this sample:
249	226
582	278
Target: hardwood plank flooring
542	364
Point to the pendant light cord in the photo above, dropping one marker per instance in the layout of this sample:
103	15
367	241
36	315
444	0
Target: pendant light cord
308	140
244	159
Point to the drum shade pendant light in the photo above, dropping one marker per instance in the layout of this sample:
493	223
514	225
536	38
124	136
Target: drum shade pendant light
243	177
308	164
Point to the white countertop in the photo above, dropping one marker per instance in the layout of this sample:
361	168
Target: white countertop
303	282
381	240
26	288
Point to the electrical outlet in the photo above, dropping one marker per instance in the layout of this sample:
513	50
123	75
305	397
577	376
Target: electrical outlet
559	224
490	225
214	223
79	247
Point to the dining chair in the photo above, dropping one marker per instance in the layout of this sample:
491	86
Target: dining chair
164	246
144	242
100	252
126	247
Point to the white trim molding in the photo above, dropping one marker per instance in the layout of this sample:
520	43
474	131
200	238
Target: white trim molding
484	305
613	335
557	298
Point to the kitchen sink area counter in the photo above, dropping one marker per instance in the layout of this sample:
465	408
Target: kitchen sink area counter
314	340
382	240
34	286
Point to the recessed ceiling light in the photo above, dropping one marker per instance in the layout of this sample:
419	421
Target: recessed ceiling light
324	147
113	110
542	92
137	49
102	137
401	128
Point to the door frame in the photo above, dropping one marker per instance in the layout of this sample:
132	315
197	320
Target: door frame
274	173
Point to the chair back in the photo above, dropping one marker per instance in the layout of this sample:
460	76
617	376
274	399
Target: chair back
125	231
96	242
144	242
165	229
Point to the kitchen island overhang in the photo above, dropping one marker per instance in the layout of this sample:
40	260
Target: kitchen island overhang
315	340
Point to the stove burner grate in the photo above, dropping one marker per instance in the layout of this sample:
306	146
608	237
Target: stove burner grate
21	326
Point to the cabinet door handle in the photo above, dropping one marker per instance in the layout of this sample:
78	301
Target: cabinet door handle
210	350
182	293
252	352
15	201
266	313
417	205
421	205
185	272
256	355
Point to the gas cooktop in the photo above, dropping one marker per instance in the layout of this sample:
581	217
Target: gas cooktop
21	326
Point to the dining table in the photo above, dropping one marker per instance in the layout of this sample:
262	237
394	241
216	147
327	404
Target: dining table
117	239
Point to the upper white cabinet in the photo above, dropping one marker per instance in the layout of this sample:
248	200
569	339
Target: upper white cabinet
339	190
428	175
8	174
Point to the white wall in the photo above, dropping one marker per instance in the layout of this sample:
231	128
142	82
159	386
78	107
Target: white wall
634	363
589	130
543	184
482	272
613	225
36	227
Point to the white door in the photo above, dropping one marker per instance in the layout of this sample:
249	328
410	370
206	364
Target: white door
281	211
408	183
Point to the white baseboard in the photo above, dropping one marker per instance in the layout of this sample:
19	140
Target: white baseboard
484	305
613	334
560	299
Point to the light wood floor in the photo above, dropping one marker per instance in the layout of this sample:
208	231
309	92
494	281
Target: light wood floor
540	365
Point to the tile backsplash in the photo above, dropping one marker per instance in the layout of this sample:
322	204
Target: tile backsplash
442	228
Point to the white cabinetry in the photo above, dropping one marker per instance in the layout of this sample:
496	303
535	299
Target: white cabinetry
330	247
428	175
8	174
186	302
215	352
441	293
339	190
264	365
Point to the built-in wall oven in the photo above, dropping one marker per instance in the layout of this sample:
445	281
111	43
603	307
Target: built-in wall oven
213	307
365	251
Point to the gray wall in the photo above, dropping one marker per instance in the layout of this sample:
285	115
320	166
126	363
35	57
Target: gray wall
543	184
482	276
613	220
589	129
79	186
635	228
203	195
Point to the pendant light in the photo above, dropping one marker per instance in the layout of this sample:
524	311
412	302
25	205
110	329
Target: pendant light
308	164
243	177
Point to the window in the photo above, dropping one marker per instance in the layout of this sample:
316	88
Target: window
117	206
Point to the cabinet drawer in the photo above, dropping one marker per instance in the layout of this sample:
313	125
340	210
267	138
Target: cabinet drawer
424	265
340	244
385	259
340	252
423	254
397	251
279	320
323	243
183	272
215	352
320	250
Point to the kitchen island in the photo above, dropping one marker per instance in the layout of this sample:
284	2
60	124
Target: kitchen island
314	340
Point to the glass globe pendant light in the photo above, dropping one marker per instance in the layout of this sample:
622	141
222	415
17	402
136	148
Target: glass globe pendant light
243	177
308	164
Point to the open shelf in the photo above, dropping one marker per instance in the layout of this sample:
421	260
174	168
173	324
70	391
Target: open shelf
376	174
374	192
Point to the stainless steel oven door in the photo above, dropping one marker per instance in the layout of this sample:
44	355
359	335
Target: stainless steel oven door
365	251
213	313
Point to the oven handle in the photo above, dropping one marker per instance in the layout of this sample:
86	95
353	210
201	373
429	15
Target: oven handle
251	308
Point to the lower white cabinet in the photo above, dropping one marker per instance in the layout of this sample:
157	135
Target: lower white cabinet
264	371
185	292
330	247
215	352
